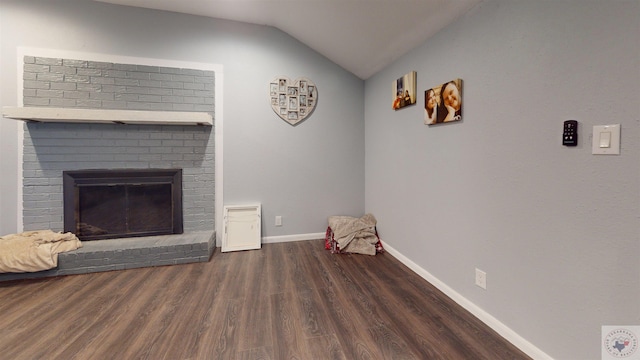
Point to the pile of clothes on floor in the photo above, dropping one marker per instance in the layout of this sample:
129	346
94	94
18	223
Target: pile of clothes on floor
347	234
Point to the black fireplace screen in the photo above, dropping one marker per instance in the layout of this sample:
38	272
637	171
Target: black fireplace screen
106	204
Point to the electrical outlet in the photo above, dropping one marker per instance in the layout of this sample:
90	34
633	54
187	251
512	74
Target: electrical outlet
278	220
481	278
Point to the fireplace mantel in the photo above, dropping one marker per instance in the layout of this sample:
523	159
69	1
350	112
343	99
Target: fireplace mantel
75	115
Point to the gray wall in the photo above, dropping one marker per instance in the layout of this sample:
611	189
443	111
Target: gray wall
555	228
80	83
304	173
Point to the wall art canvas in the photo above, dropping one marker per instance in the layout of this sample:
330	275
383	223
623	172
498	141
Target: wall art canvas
293	100
404	91
443	103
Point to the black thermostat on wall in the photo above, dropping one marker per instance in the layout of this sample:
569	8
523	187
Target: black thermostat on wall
570	133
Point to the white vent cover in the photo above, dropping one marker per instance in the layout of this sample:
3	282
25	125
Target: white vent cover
241	228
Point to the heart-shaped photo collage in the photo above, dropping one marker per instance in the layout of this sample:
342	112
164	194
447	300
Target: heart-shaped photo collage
294	100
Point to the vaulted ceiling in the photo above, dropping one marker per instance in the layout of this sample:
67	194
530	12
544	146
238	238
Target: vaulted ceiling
362	36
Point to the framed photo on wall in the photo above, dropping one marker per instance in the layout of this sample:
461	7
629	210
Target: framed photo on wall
443	103
404	91
293	100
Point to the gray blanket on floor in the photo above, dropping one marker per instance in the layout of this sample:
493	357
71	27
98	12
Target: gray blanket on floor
355	235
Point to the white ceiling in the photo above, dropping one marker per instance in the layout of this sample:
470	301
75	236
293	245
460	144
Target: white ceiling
362	36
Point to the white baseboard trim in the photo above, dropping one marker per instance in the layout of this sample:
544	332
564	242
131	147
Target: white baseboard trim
289	238
504	331
285	238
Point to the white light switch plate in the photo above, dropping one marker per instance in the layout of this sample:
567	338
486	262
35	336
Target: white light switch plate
612	135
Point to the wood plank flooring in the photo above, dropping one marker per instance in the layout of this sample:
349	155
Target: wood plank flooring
286	301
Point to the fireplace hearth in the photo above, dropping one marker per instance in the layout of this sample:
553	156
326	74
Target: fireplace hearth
108	204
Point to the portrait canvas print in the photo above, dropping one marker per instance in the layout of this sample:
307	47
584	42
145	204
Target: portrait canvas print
404	91
443	103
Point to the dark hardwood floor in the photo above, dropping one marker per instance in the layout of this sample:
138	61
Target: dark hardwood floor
286	301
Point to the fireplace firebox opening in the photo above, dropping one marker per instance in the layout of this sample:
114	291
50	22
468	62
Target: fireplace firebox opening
107	204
